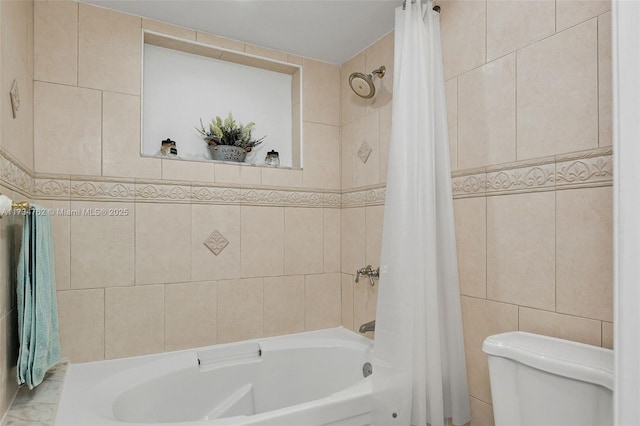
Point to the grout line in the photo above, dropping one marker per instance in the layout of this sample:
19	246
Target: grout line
555	249
598	78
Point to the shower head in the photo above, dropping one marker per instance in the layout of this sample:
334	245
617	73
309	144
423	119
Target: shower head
362	84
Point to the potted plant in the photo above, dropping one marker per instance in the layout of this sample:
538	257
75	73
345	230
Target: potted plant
229	140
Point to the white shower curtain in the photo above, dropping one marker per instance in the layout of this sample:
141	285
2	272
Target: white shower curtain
419	365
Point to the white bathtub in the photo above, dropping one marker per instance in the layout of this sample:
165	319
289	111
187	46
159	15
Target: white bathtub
313	378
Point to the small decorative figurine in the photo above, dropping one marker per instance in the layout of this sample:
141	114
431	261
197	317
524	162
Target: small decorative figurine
272	159
168	148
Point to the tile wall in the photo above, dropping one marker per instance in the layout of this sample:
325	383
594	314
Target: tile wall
528	88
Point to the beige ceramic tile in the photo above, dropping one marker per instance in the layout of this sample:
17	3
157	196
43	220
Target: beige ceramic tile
162	243
81	324
352	106
572	12
61	223
487	114
240	309
295	59
380	54
373	234
322	301
462	24
346	152
321	92
558	93
296	90
331	236
481	319
102	252
451	98
514	24
604	80
8	340
134	321
191	315
347	301
121	139
304	241
17	133
566	327
281	177
607	335
262	241
471	243
67	129
283	305
229	173
265	52
481	413
17	35
10	237
321	156
366	130
172	30
521	249
585	253
192	171
365	300
55	41
205	220
296	136
353	239
109	50
385	141
223	42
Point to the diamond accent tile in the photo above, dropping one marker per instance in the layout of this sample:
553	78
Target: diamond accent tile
216	242
364	152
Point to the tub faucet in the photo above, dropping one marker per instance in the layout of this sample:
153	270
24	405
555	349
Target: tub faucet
368	326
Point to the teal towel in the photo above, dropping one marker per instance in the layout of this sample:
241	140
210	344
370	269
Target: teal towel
36	297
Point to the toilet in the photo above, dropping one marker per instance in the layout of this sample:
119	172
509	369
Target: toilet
541	380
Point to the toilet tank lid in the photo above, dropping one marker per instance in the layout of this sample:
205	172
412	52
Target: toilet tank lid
578	361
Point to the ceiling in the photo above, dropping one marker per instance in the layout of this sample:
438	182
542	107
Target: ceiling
328	30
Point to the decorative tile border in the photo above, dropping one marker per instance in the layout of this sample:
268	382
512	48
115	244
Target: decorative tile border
14	176
367	197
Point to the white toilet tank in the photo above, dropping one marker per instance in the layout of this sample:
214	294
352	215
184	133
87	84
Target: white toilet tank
540	380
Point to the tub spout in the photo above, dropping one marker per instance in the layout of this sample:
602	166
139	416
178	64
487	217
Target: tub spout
368	326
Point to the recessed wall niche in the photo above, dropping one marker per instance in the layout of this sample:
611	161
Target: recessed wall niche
185	81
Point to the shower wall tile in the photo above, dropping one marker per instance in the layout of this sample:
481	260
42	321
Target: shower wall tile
190	315
380	54
321	156
81	324
162	247
366	129
462	25
365	299
558	93
281	177
347	301
262	241
521	249
585	252
514	24
481	413
487	114
607	335
283	305
471	243
373	234
352	106
605	113
322	301
102	253
346	154
172	30
134	321
572	12
61	224
229	173
55	41
121	139
482	318
206	219
353	239
109	50
192	171
321	92
67	131
331	236
217	41
451	99
561	326
240	309
385	141
265	52
304	241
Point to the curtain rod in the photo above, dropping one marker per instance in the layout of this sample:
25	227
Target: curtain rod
404	6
